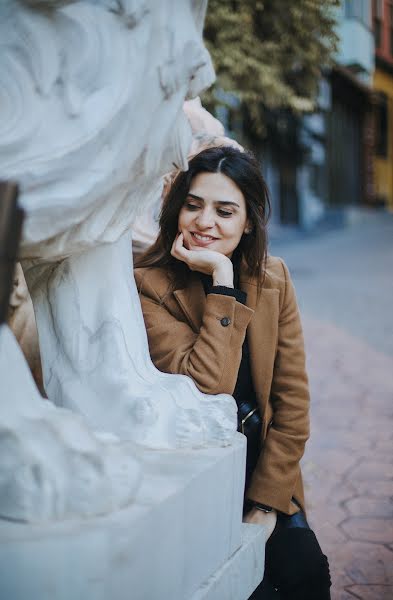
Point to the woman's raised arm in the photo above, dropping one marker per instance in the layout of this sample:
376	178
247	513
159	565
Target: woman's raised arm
212	356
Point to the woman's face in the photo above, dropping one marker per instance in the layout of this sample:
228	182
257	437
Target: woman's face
214	214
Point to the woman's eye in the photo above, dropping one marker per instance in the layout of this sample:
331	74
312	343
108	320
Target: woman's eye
223	213
191	206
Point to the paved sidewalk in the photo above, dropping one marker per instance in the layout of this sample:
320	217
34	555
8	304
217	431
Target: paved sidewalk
348	465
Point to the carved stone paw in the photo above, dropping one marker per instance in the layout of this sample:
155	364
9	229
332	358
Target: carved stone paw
51	465
56	469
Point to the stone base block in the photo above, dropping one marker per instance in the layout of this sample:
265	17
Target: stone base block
184	526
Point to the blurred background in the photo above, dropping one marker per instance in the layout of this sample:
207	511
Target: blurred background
308	86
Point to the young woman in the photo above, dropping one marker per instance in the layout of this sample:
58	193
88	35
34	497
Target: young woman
218	309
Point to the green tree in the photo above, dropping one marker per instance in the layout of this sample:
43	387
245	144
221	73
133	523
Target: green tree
269	53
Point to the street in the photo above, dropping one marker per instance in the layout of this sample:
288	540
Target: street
344	283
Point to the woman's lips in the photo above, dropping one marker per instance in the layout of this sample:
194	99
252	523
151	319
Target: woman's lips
201	240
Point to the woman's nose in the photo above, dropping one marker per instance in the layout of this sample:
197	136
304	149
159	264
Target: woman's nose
205	219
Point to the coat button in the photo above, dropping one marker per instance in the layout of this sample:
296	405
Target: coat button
225	321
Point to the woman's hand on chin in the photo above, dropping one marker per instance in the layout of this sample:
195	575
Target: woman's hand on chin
258	517
205	261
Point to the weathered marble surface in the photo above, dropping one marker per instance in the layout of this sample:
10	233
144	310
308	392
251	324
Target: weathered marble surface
91	113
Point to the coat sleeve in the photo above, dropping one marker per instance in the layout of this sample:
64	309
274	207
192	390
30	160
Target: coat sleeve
275	476
210	357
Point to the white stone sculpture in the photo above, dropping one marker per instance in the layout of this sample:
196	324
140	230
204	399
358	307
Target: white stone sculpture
91	96
51	465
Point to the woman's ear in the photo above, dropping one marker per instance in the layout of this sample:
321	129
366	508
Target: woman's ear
248	228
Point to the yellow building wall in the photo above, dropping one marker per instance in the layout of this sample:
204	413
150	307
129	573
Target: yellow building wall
383	167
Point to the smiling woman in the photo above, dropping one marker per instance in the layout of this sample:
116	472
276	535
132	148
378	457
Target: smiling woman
221	204
217	309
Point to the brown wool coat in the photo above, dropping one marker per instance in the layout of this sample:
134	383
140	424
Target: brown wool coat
186	336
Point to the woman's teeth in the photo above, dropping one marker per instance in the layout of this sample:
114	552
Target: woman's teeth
203	238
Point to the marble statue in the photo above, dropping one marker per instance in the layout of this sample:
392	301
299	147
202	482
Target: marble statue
91	117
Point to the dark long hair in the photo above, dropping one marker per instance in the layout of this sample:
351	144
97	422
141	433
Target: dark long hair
245	172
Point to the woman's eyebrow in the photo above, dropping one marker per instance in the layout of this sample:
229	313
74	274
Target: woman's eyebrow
221	202
226	202
195	196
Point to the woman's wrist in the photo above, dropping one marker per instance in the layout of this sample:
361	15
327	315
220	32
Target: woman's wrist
223	275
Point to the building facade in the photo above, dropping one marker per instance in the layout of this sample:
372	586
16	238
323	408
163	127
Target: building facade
382	12
350	148
318	164
341	155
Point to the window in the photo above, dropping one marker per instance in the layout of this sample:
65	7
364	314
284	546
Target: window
358	9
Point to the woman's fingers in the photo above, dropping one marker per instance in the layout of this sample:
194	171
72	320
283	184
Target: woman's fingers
203	260
178	250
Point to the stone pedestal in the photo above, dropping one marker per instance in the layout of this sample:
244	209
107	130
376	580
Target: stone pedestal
181	539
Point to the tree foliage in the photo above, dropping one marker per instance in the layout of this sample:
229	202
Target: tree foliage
269	53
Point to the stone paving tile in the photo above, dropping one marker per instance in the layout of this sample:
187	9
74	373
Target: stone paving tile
328	534
346	440
384	451
348	463
374	488
382	427
370	470
371	592
360	507
363	563
369	529
340	580
334	515
327	495
336	461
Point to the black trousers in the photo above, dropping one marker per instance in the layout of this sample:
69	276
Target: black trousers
295	567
